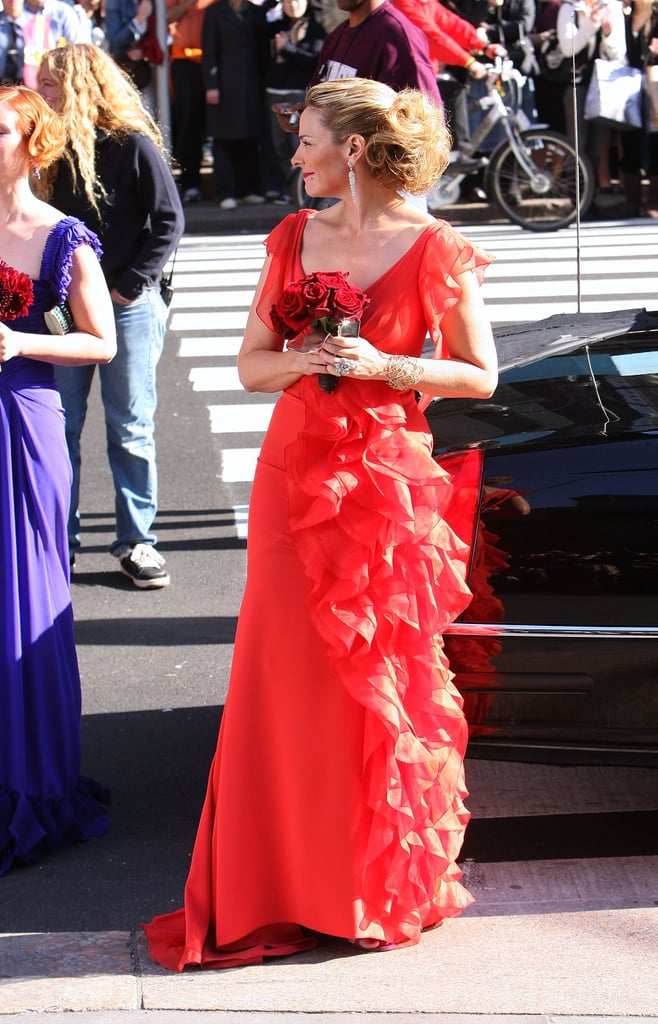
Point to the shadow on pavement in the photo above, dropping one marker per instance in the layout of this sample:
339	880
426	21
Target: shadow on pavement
156	765
164	631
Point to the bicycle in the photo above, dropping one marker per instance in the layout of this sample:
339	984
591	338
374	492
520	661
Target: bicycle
531	174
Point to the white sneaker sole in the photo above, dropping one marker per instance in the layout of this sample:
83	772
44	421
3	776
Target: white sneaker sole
156	584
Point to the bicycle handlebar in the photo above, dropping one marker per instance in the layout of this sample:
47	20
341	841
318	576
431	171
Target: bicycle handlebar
504	69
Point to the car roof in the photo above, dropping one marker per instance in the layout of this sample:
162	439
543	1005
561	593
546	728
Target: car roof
521	344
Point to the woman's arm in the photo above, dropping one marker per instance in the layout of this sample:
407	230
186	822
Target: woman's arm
575	28
93	339
613	33
125	22
470	369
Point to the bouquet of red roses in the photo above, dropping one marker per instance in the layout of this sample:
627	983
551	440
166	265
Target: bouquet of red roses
16	293
319	301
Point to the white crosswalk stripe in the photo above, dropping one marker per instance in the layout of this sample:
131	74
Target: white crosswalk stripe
605	266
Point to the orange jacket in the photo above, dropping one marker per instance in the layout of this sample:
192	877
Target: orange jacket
186	32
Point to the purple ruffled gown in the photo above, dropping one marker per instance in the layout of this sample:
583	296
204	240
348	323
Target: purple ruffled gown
44	802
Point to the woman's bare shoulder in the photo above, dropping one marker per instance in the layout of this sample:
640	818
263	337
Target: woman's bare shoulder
45	214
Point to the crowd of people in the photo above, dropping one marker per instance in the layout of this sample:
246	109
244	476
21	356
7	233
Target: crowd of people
231	61
248	57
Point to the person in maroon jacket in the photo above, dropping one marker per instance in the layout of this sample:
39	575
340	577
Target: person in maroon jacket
377	41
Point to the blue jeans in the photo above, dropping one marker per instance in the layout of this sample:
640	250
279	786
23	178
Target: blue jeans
128	393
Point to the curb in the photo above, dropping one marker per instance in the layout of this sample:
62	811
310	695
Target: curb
556	963
206	218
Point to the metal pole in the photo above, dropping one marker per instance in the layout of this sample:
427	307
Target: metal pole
162	100
576	140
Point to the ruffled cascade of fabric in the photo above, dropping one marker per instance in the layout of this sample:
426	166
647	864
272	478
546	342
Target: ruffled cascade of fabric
386	575
31	827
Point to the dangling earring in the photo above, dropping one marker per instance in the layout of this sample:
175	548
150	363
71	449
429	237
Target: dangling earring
351	177
36	172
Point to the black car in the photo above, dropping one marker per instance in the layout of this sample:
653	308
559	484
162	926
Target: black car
557	654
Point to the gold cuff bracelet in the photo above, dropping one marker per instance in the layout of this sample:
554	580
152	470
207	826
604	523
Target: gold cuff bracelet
402	372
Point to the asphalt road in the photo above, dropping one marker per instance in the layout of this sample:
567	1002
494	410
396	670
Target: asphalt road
155	669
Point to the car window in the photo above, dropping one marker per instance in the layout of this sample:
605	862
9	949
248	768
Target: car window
621	364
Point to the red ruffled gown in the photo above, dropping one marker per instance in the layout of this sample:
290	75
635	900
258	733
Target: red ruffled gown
335	798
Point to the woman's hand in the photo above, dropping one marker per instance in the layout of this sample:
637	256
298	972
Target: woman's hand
8	343
368	361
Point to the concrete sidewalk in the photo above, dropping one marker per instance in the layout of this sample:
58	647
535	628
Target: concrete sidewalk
548	938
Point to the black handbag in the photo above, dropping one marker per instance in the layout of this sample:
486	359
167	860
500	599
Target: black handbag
166	282
553	65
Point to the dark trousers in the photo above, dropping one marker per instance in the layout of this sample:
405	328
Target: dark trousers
454	93
639	150
236	168
189	110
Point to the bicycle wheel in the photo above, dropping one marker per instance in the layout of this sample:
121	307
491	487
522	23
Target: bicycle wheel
545	199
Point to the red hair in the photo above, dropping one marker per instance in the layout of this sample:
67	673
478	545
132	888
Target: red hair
40	126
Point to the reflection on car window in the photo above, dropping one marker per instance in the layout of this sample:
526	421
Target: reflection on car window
621	364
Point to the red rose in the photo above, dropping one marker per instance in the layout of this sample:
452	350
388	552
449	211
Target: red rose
16	292
279	325
337	279
317	298
349	303
291	307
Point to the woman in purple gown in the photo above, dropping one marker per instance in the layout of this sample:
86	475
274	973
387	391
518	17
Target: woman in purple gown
45	259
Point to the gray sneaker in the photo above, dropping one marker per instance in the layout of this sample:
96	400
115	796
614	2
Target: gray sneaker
145	567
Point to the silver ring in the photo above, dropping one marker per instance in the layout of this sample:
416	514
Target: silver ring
343	366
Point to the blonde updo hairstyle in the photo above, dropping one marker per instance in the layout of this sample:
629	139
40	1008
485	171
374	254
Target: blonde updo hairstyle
41	128
407	143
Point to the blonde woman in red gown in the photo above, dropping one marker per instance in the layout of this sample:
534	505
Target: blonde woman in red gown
335	798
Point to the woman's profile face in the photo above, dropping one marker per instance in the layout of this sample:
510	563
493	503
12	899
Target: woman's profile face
48	88
14	157
321	160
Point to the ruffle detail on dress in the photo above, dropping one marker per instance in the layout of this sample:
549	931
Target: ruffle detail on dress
57	259
30	827
447	255
367	507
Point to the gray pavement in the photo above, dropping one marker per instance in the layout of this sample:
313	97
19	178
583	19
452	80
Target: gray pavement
568	939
